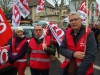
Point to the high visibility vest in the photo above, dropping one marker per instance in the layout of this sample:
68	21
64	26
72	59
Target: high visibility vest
79	47
39	59
22	62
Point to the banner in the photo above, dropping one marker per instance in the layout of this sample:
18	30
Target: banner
5	29
57	32
40	6
15	15
4	55
22	5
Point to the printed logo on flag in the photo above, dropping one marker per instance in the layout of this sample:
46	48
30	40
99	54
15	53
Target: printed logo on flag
57	32
5	29
22	6
2	25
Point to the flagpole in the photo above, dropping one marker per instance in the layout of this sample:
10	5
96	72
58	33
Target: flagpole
45	9
86	24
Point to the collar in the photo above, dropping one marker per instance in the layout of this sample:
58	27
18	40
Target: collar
40	37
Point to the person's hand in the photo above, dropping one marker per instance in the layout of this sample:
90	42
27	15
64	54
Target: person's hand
79	55
44	46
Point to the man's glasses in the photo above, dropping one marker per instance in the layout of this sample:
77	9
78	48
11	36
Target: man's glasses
38	29
74	19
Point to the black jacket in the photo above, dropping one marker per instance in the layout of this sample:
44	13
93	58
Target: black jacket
91	48
22	52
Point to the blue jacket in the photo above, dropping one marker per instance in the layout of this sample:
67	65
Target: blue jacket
91	48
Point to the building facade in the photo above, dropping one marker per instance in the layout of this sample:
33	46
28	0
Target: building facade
93	10
48	12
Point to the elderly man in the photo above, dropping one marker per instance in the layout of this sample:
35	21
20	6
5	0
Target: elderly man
41	48
78	51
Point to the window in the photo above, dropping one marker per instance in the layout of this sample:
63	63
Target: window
57	13
92	18
92	5
64	13
92	11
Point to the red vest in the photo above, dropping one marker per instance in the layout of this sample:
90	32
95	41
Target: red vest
22	63
39	59
79	47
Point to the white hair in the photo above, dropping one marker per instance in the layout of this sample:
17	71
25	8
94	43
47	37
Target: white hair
75	13
19	28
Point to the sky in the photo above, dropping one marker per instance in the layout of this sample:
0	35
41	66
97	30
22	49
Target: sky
51	1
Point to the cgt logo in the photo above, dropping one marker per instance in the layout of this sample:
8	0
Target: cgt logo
4	55
2	25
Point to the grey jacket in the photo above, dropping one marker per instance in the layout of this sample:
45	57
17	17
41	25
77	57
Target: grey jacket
91	48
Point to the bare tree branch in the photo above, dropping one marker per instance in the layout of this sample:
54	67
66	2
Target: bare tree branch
5	4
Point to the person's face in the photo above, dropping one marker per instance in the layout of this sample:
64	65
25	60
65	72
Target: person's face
38	31
75	22
19	33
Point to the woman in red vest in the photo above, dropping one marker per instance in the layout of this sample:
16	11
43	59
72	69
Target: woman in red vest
17	51
41	49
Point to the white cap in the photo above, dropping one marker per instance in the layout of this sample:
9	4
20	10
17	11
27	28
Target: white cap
19	28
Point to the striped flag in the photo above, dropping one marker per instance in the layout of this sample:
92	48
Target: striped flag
40	6
15	15
57	32
23	8
83	11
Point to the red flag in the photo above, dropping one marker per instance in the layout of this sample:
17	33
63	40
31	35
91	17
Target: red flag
40	6
15	16
5	29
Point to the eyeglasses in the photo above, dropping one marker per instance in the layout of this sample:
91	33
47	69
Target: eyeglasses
74	19
38	29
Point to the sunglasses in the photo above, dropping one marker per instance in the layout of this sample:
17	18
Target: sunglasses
74	19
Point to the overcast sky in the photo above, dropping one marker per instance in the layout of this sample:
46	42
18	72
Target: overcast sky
51	1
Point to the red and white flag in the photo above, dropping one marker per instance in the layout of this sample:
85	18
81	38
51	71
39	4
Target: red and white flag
15	15
40	6
57	32
83	11
5	29
23	7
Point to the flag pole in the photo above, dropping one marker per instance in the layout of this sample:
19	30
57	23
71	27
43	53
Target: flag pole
86	24
45	9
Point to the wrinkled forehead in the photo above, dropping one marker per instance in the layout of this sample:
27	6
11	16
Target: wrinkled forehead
73	16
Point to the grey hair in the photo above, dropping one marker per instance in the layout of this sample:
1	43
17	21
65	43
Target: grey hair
75	13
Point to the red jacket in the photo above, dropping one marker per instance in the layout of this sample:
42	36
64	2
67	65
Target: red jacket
79	47
22	63
39	59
